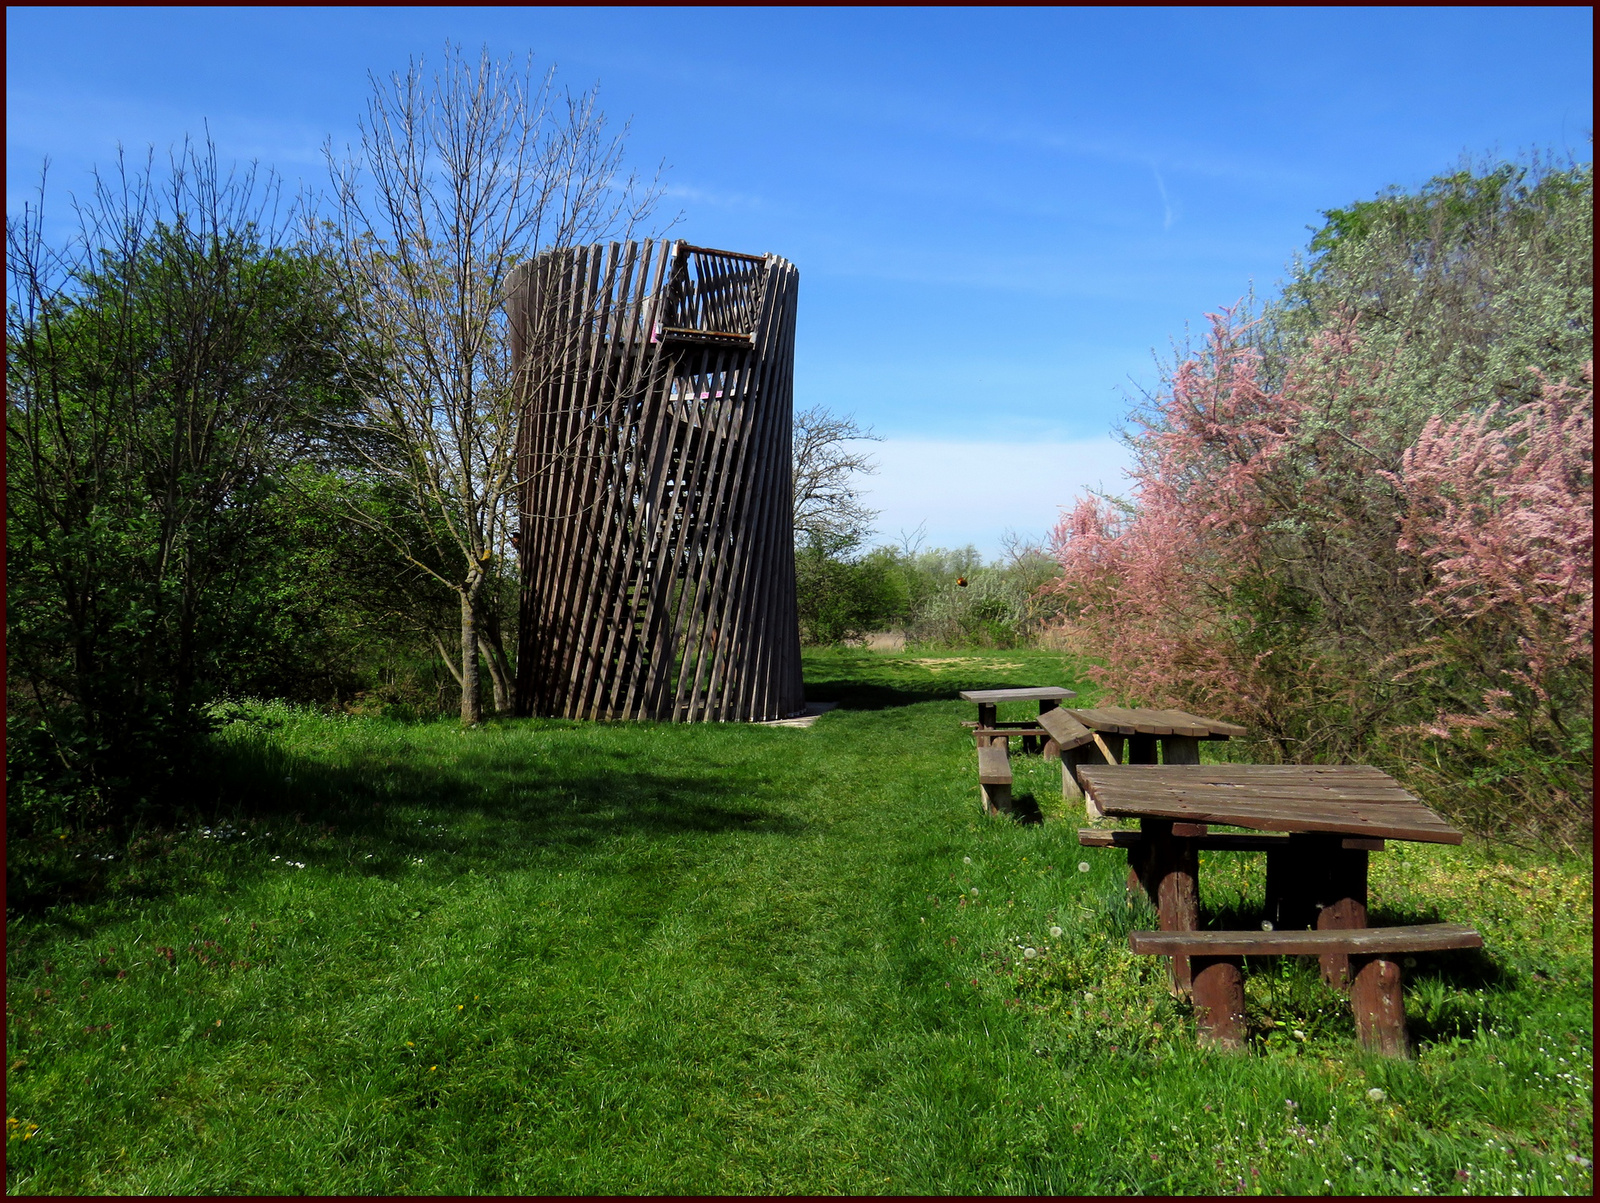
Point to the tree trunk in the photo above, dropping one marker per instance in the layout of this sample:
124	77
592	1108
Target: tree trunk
498	677
471	706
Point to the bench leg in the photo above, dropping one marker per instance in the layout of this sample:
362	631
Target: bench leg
996	799
1380	1009
1219	1001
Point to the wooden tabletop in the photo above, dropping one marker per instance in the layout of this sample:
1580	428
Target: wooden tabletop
1046	693
1347	799
1123	721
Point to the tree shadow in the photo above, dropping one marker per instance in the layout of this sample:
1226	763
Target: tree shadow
384	815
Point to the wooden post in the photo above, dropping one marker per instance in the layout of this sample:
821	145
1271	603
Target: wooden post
1142	749
1343	904
1294	874
1219	1001
1380	1010
1070	760
1047	746
1181	749
986	714
1170	870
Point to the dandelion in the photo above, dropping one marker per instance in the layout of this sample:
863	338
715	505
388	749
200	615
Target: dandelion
1030	953
1299	1035
1376	1095
966	860
411	1044
1055	933
974	891
1083	866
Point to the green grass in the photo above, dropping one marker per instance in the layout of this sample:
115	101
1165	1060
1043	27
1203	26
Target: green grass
549	957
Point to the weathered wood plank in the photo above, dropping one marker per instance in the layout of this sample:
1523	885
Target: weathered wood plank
994	765
1366	941
1352	800
1067	731
1042	693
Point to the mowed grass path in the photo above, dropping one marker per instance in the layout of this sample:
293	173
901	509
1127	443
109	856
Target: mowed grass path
547	957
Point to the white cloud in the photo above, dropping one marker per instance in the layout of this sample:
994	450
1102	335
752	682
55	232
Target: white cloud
968	492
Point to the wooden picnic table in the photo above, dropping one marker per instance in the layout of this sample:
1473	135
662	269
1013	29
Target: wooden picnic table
1330	817
1117	734
1034	737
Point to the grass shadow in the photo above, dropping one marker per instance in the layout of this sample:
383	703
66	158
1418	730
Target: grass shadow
492	809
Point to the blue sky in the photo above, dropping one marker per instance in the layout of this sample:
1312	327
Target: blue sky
998	214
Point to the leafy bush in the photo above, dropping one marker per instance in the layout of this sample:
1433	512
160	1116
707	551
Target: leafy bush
160	368
1362	525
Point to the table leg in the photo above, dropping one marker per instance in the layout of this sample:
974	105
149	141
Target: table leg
1343	904
1180	749
1293	883
1051	750
1089	753
1170	868
986	715
1142	749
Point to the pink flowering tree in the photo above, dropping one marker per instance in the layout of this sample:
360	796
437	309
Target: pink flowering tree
1498	515
1344	587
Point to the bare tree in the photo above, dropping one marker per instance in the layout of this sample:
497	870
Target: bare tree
827	504
461	175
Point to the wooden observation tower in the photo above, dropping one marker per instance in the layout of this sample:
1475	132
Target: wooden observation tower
655	389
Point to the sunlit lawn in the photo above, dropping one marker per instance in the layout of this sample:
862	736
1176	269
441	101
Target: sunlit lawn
548	957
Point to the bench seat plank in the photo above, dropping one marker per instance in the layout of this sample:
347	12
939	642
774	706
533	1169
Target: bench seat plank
994	765
1067	731
1361	941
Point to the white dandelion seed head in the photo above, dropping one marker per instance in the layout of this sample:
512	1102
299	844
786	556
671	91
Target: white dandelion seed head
1376	1095
1083	866
1030	953
974	891
1055	933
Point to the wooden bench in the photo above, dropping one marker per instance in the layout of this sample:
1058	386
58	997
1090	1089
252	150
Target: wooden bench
994	777
1217	964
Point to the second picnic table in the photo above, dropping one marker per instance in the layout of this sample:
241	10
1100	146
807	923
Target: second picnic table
1326	818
